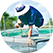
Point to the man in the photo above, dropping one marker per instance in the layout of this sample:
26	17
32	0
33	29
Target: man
28	15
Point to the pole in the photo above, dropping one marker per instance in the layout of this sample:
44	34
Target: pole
4	23
49	25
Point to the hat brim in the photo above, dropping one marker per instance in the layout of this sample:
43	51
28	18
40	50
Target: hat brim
25	10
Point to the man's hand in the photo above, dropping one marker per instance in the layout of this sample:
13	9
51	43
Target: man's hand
30	32
17	24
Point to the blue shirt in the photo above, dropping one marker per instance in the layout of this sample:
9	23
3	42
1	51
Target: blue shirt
30	16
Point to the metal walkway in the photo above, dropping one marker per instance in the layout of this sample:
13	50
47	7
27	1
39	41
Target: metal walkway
19	41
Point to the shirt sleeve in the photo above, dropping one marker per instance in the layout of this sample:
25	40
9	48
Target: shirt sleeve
18	17
32	19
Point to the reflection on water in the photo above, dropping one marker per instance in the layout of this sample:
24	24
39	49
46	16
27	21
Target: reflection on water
22	49
44	46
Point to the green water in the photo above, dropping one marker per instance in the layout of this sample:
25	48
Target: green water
46	31
14	32
24	32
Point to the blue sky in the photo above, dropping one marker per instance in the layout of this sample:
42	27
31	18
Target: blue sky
42	5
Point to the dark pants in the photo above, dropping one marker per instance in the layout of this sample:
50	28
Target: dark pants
31	35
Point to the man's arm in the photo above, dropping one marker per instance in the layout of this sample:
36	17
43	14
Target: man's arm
17	24
30	32
19	21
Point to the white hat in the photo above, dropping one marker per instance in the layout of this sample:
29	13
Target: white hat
21	9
